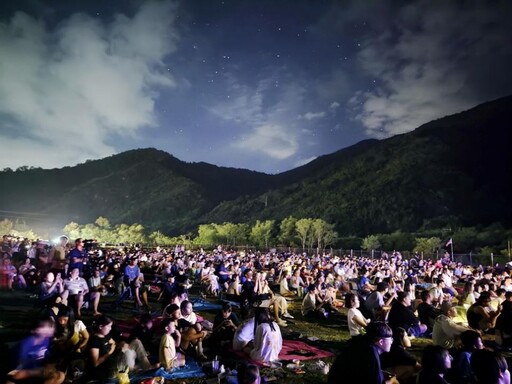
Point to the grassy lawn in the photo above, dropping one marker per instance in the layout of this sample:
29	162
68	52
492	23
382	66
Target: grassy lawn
18	309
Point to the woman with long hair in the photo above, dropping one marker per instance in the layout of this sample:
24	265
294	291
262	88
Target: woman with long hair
481	316
267	337
467	298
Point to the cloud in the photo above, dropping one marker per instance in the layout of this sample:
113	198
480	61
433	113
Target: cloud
65	92
432	61
263	116
272	140
334	105
312	115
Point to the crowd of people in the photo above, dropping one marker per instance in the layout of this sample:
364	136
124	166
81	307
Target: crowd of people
387	302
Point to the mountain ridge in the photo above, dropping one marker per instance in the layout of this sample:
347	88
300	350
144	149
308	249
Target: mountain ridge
450	171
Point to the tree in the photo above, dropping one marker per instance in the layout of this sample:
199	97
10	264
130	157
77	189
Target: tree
303	228
427	245
323	232
72	230
370	243
207	235
287	233
102	222
261	232
6	226
158	238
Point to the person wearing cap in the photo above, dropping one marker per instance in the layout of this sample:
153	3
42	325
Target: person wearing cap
445	330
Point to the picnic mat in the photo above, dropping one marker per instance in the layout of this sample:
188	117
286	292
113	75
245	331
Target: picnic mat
297	349
190	369
204	305
291	350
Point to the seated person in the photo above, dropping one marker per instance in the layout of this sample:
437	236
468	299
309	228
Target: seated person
168	356
75	289
50	288
376	304
461	371
33	359
481	315
141	341
190	330
427	313
248	374
267	338
224	326
398	360
244	336
284	289
311	304
504	322
489	367
401	316
355	319
71	335
362	359
96	289
266	298
445	330
435	363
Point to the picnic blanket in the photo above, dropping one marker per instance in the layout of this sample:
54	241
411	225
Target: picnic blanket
191	369
293	350
299	350
204	305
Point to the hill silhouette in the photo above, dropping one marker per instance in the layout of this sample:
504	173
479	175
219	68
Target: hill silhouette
452	171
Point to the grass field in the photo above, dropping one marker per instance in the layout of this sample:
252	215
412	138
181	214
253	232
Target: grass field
18	310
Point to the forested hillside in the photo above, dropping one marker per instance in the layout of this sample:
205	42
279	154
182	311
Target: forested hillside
452	171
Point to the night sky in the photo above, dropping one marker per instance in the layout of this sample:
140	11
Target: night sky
266	85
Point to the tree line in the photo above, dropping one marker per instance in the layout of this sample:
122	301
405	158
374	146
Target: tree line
305	233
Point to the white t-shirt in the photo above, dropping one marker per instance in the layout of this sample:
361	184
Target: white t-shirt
244	334
267	343
353	327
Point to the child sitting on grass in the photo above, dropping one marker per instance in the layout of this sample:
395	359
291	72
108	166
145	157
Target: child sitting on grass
168	356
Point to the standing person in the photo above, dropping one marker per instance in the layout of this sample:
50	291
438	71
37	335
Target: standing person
267	338
76	256
362	358
57	256
33	359
168	356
